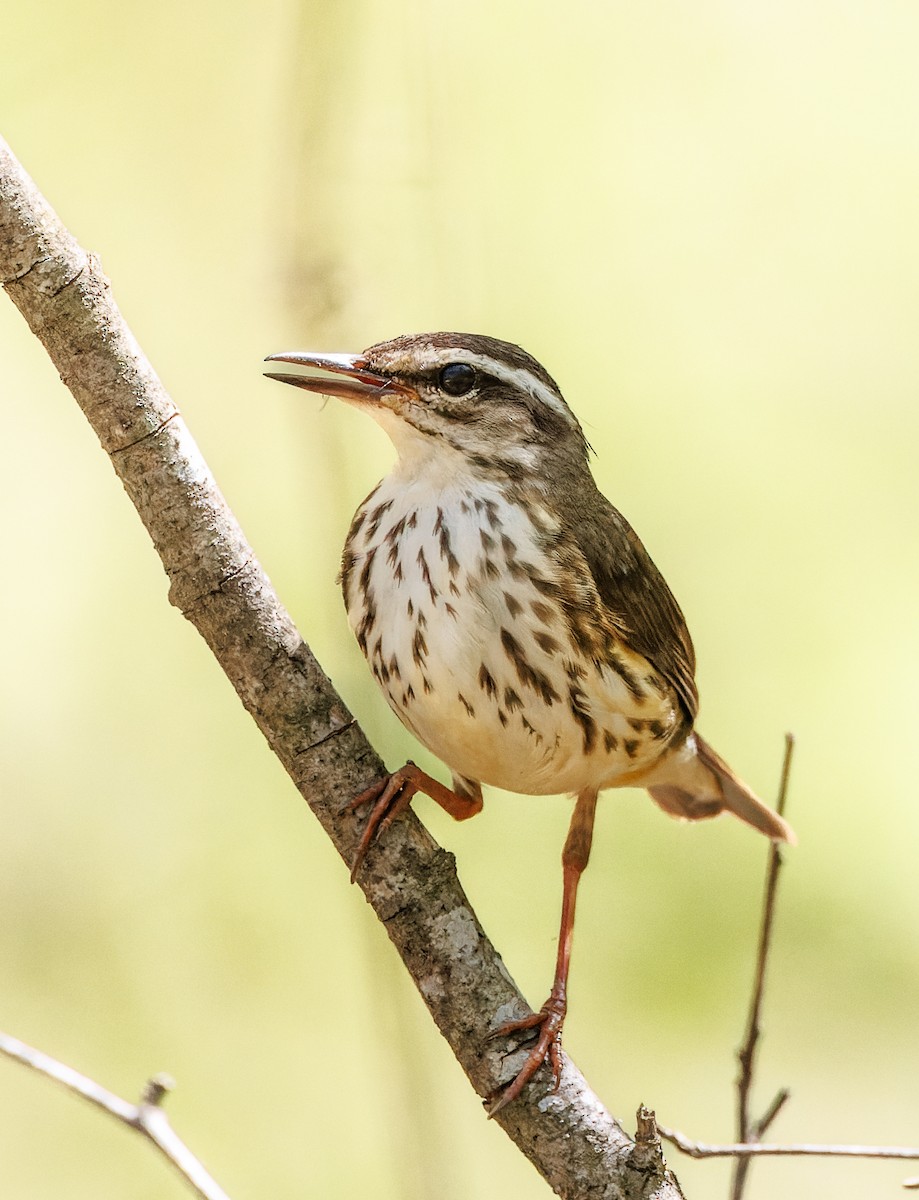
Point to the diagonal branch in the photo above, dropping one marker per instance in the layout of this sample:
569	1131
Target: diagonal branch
216	582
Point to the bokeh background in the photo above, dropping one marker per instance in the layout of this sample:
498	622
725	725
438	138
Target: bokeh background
702	218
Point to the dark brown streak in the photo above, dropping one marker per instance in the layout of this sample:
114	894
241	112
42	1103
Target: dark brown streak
446	550
542	611
522	572
546	586
347	568
359	518
546	642
366	569
392	538
419	648
486	681
395	532
367	623
629	678
529	728
526	673
426	575
577	702
376	516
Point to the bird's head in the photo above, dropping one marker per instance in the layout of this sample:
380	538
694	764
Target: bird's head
487	400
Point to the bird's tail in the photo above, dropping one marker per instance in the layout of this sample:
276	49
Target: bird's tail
679	797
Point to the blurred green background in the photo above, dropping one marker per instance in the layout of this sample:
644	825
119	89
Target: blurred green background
702	218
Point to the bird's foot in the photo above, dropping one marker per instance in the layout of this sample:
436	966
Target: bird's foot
392	795
389	797
549	1021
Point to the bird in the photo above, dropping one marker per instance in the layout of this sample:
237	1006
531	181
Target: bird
511	616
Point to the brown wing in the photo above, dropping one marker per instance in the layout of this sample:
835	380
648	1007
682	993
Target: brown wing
632	587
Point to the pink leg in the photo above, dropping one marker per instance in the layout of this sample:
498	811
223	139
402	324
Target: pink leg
551	1017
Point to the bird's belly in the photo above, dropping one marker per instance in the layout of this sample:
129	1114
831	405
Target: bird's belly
473	651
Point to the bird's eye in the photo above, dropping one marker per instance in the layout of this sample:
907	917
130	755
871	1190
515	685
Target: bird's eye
456	379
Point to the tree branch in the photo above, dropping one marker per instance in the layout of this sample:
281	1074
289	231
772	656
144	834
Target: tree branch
217	583
147	1117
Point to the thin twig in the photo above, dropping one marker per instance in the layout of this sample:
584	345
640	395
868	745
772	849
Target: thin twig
749	1130
747	1150
147	1117
750	1145
778	1103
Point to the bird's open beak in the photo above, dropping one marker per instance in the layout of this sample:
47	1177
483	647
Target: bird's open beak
350	377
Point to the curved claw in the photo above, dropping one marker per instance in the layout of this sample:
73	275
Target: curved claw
392	794
549	1020
389	796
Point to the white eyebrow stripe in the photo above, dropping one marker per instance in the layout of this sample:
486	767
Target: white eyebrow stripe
518	377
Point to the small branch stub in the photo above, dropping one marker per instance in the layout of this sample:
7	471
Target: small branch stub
156	1090
647	1153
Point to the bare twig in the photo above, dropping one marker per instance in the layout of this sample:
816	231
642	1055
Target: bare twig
749	1130
147	1117
766	1149
778	1103
217	583
750	1144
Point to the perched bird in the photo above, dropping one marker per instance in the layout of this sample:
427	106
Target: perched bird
513	619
